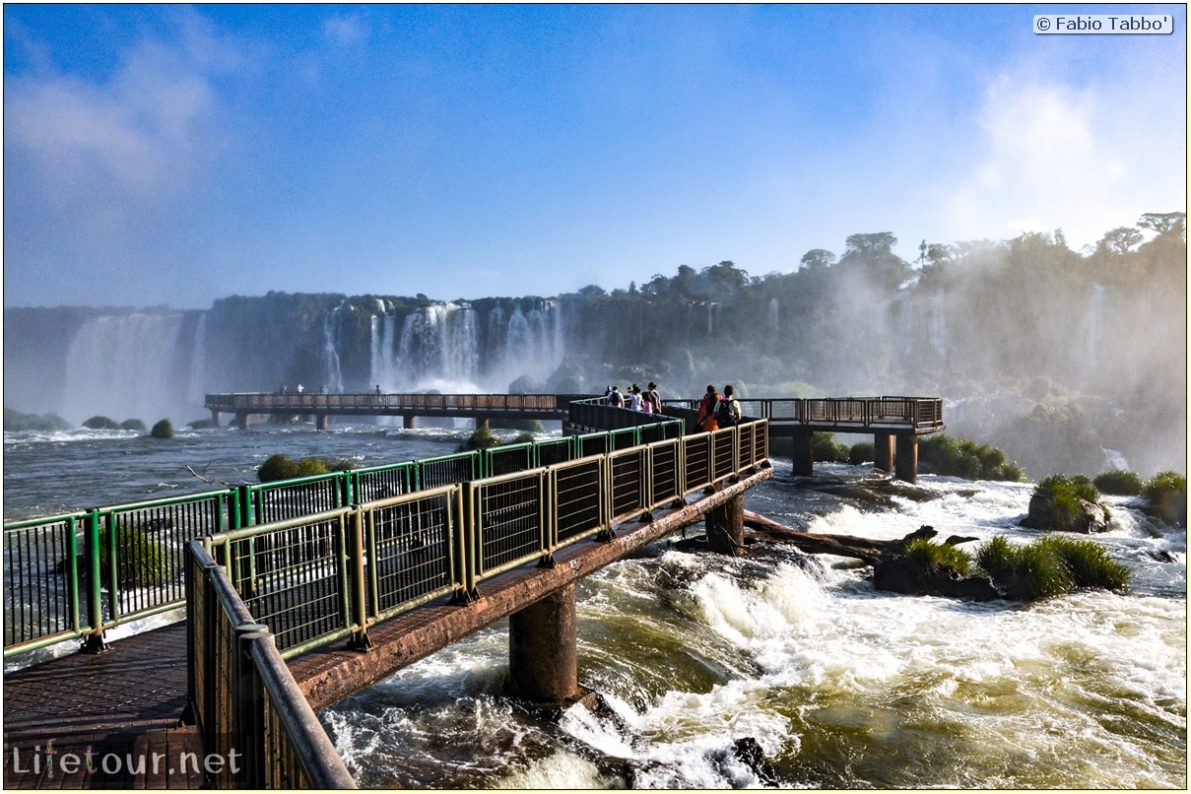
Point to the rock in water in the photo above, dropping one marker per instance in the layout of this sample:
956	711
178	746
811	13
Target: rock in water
748	751
900	575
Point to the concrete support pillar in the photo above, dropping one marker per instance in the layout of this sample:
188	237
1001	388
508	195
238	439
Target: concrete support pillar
322	421
803	456
482	422
214	418
409	421
725	527
543	658
883	452
241	421
907	457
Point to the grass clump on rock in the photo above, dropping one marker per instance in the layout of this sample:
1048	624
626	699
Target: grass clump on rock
961	457
1049	567
140	560
1166	494
163	429
931	557
1069	504
283	467
482	438
100	423
862	452
1118	482
133	424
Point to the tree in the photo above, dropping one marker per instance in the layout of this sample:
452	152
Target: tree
592	291
1165	223
817	258
1119	241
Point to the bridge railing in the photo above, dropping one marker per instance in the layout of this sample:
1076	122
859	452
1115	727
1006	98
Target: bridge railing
330	576
274	402
247	705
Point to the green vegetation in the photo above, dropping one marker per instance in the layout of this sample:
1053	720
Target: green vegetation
140	560
1166	494
1057	503
932	558
827	450
523	438
100	423
528	425
481	439
960	457
46	423
133	424
163	429
1049	567
859	453
1118	483
282	467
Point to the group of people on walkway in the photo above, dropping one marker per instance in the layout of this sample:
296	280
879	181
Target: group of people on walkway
647	401
716	411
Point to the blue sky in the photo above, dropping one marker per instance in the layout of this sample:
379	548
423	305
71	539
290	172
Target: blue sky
173	155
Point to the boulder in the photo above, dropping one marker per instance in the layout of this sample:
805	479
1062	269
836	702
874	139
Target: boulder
900	575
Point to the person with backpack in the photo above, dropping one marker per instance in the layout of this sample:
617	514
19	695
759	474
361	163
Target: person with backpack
727	412
616	399
707	410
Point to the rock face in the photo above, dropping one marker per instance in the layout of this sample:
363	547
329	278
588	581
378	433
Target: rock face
1091	518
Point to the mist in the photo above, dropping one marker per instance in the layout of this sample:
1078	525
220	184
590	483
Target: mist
1069	361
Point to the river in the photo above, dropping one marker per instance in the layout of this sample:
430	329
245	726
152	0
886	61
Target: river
841	686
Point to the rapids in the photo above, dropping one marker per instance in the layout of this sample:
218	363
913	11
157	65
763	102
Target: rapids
841	686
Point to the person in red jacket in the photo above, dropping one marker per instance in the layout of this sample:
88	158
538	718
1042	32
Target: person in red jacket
707	406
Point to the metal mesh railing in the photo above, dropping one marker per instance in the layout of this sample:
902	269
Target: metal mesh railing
665	483
508	517
294	579
628	477
382	482
723	444
305	496
508	459
578	499
448	470
696	456
411	549
42	574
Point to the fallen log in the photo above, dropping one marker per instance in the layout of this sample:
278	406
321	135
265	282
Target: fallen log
867	549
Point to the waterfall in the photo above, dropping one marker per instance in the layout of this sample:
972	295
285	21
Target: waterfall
196	394
334	382
711	307
773	314
438	346
558	351
1093	323
124	367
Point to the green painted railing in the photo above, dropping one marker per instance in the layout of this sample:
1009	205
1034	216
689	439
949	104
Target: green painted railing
331	576
75	575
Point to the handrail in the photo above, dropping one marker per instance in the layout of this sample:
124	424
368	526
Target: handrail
246	702
82	578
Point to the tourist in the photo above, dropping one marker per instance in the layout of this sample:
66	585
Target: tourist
727	413
608	396
646	403
301	388
635	398
707	409
378	390
616	399
654	398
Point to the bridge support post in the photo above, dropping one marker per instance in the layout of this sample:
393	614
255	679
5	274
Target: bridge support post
906	467
543	658
409	421
725	527
241	421
803	456
883	452
214	418
482	422
322	421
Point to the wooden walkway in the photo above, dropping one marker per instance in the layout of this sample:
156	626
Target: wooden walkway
120	709
127	703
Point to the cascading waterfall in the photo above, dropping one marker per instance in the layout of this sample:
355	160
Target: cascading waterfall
773	314
125	367
1093	322
937	325
198	363
331	349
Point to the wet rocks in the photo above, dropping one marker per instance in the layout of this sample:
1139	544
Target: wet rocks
900	575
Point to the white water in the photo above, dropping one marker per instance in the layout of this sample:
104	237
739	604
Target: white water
840	685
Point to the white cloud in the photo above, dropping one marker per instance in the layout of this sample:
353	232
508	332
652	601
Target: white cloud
346	31
1051	156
